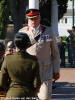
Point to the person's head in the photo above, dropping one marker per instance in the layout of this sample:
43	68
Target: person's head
22	41
10	48
34	18
60	39
73	29
2	49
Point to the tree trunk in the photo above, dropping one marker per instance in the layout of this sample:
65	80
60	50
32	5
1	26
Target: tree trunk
18	9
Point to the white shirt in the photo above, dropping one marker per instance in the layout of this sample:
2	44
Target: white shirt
35	31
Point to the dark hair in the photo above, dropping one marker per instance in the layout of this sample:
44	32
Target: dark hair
2	47
73	27
22	40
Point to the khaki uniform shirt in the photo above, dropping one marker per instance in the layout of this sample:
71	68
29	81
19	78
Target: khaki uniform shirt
45	49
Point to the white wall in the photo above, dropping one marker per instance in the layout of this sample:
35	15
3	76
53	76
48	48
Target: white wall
62	26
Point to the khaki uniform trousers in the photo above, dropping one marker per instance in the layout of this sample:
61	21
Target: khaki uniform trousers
46	78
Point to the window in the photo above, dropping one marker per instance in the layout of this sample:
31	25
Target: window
65	20
61	20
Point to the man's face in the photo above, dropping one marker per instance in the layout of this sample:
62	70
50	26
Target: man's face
34	22
73	30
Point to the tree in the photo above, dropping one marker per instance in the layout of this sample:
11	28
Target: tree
45	9
17	9
4	13
62	8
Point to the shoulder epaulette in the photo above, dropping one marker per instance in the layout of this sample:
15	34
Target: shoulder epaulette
27	28
43	28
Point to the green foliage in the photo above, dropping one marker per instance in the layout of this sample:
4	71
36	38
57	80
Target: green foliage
64	38
4	12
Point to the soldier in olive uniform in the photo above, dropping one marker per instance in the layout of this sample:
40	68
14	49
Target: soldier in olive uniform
44	46
22	70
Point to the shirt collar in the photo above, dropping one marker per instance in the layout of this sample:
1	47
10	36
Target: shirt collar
34	28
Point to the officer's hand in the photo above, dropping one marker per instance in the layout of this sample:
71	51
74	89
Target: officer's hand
56	76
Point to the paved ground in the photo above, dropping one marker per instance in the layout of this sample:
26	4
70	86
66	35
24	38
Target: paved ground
65	86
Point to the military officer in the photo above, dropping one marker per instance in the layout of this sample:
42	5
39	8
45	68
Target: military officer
22	70
44	46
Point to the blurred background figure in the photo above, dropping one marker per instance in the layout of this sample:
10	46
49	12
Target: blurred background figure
62	46
69	46
72	39
10	48
2	52
73	43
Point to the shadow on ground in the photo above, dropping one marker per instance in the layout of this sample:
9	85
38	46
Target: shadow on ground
64	90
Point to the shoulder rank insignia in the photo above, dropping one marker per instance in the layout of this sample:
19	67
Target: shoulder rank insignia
27	28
